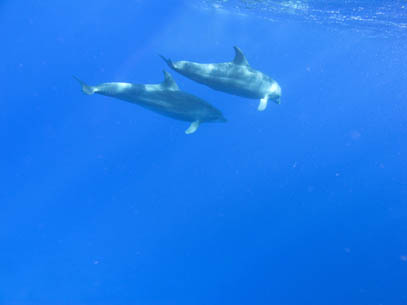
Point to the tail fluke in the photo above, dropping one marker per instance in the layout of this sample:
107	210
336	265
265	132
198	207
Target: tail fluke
85	88
168	61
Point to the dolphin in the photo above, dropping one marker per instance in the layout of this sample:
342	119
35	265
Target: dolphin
165	98
236	77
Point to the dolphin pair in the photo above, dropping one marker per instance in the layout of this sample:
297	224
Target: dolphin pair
166	98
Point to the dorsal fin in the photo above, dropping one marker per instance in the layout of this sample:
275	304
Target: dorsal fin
239	59
169	83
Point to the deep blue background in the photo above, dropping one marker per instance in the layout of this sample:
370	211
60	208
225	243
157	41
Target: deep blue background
103	202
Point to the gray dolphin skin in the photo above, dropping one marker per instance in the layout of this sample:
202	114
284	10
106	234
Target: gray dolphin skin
236	77
165	98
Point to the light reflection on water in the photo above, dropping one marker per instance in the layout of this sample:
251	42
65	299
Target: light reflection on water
384	18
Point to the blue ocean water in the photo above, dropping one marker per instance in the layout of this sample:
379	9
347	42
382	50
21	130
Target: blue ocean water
104	202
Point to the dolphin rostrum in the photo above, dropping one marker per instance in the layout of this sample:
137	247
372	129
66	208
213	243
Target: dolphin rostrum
236	77
165	98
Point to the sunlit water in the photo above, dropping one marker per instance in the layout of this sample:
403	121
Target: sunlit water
382	18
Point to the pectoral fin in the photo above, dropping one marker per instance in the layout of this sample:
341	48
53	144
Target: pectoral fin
263	103
192	128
